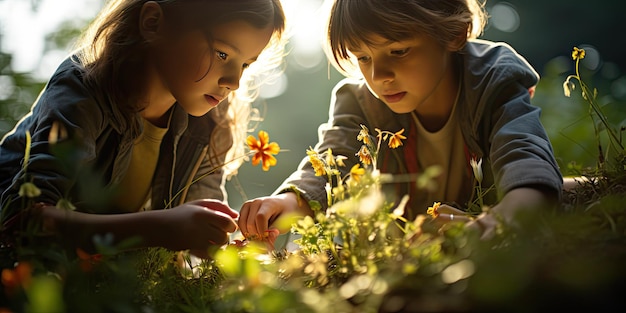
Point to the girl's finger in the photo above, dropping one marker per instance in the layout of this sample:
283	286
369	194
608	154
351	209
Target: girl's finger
455	217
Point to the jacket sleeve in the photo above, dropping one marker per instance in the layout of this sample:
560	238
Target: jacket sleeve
520	151
339	133
63	108
504	126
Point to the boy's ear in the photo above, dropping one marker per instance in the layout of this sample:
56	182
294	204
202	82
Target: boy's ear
458	43
150	21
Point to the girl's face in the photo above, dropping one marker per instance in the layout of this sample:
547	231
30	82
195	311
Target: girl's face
199	73
407	75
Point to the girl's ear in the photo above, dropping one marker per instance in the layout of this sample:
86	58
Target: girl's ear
150	21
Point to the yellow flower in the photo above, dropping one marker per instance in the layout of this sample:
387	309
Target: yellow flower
264	150
340	159
65	204
396	139
316	163
432	211
29	190
578	54
364	155
356	172
330	158
364	135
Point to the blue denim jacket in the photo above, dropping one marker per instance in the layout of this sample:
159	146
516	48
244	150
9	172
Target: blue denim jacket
498	123
104	140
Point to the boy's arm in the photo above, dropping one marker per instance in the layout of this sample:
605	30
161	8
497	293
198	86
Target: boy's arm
516	207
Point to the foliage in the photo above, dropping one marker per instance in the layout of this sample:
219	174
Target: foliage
360	255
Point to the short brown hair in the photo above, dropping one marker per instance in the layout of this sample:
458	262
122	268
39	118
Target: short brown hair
352	22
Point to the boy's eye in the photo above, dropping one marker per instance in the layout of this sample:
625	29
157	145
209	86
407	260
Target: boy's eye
400	52
363	59
245	66
221	55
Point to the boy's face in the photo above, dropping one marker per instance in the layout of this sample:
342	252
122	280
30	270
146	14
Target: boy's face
408	75
198	73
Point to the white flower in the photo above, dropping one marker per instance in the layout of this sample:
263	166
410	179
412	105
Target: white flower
477	168
371	203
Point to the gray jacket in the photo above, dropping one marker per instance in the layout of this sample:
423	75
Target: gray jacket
497	120
105	140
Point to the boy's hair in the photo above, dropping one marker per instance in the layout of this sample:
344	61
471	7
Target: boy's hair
112	51
351	23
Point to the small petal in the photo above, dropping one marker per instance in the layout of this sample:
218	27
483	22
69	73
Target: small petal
65	204
29	190
432	211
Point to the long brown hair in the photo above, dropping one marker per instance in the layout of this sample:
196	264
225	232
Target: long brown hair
112	50
352	22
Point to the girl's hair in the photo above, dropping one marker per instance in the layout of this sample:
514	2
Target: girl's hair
112	51
351	23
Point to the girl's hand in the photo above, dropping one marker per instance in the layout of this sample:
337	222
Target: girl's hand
201	226
448	214
266	217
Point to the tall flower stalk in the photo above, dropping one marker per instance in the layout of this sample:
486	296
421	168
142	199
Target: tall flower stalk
594	107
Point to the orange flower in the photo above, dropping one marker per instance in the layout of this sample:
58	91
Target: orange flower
396	139
87	261
19	277
264	150
364	135
432	211
364	155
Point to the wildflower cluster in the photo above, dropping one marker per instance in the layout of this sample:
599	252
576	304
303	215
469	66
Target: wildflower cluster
361	232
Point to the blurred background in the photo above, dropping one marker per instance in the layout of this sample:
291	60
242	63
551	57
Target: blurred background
35	36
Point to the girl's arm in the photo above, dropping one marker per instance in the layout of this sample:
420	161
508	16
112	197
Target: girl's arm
196	225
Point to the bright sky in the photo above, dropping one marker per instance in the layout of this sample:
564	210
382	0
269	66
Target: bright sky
23	30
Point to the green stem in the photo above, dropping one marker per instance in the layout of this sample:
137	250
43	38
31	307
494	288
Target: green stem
169	203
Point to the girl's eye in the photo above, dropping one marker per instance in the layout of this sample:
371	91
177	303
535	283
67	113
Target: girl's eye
223	56
400	52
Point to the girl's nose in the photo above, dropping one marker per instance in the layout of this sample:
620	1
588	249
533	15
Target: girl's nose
230	79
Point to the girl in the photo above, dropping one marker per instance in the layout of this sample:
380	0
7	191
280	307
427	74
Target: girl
147	105
459	99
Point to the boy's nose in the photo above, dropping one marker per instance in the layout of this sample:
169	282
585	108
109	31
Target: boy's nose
381	73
